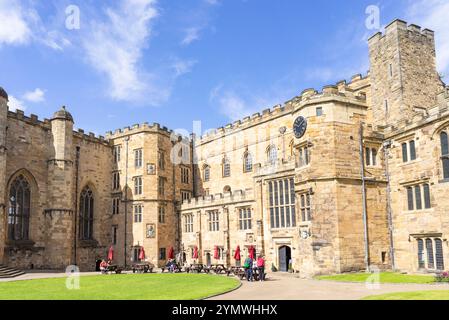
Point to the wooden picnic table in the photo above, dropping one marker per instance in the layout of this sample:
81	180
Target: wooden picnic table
195	267
175	269
218	268
114	268
142	267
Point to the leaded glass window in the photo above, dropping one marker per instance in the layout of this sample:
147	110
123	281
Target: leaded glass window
19	209
86	214
281	196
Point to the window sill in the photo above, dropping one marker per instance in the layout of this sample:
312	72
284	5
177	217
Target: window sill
403	164
88	243
443	180
20	244
418	211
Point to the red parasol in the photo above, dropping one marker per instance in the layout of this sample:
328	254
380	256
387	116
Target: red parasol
111	253
171	253
195	253
142	254
216	253
237	256
252	252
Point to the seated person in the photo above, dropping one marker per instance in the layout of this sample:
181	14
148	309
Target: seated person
104	266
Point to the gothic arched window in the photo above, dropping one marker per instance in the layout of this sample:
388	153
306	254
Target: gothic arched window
226	167
206	169
445	154
248	162
86	214
272	155
19	209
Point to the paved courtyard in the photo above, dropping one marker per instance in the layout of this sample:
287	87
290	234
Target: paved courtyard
284	286
288	287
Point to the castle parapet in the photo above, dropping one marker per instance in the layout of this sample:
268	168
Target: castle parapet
219	199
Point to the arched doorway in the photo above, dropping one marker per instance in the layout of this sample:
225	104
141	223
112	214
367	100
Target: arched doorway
285	255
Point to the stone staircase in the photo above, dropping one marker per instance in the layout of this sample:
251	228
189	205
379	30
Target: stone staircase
6	272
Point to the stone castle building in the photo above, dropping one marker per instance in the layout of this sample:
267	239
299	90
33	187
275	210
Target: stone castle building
348	178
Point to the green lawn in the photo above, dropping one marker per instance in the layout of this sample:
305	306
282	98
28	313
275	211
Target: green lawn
418	295
120	287
385	277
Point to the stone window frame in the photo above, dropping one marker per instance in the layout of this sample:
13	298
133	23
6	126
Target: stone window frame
429	260
213	220
408	149
226	167
161	213
247	162
185	175
272	154
138	213
138	185
303	154
444	158
282	209
206	172
188	223
21	213
86	198
371	154
116	152
161	186
116	180
305	205
116	205
186	195
411	192
245	222
138	158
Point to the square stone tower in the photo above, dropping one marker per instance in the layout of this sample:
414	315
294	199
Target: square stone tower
403	73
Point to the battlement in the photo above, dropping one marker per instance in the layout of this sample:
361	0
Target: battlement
32	119
342	89
90	137
218	199
401	26
139	128
46	125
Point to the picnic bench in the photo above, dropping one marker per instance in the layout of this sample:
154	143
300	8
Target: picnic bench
195	267
142	267
218	268
113	268
175	269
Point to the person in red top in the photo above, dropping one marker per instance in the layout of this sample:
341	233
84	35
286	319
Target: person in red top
261	268
103	266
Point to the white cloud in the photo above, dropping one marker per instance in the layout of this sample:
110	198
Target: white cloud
191	34
38	95
20	24
15	104
182	67
212	2
14	28
114	47
433	14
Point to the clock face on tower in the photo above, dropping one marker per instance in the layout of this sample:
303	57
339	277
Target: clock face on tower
300	127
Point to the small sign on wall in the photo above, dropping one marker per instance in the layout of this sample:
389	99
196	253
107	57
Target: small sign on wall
151	168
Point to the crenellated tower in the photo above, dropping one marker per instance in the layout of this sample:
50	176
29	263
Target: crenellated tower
404	78
3	126
60	208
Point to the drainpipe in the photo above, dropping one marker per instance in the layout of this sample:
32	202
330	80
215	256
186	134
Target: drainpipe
365	224
387	146
77	165
126	200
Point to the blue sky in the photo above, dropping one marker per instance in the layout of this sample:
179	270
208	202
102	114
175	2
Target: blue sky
177	61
